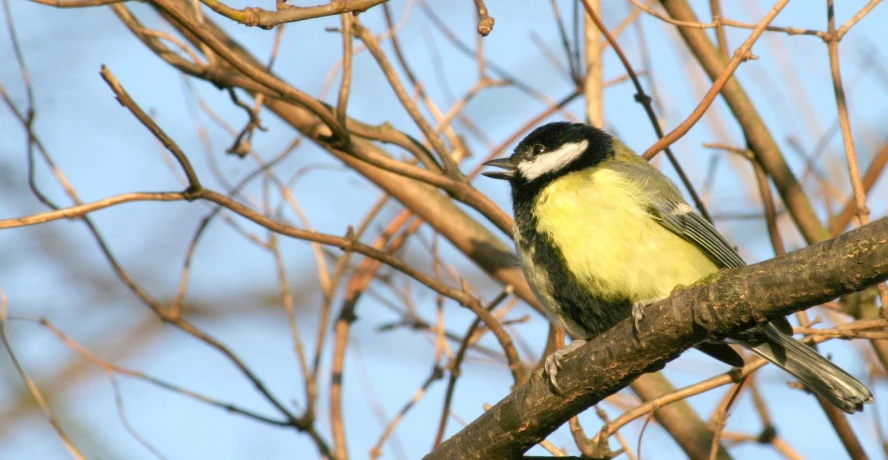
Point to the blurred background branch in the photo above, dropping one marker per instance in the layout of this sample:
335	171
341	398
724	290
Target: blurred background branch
302	221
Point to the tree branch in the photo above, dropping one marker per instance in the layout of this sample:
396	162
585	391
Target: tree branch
723	303
758	136
265	19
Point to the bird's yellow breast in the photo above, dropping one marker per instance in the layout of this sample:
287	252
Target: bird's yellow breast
598	220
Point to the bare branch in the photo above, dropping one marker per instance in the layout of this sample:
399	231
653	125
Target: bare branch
729	301
265	19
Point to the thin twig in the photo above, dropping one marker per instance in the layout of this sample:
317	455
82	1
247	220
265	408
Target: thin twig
436	374
645	100
740	55
485	21
32	387
861	210
126	101
266	19
450	166
456	362
720	37
345	85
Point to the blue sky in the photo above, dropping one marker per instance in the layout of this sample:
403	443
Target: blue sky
104	151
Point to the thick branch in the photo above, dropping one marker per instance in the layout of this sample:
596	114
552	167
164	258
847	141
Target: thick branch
722	303
441	213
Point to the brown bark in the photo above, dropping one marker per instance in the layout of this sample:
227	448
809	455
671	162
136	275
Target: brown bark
714	307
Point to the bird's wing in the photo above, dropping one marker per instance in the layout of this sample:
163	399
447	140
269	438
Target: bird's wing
681	219
668	207
672	212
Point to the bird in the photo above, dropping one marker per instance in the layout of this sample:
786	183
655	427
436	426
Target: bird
600	234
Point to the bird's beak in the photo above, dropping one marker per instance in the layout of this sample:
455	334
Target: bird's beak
504	163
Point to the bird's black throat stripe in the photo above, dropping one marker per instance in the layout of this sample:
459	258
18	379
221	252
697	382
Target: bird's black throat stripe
572	299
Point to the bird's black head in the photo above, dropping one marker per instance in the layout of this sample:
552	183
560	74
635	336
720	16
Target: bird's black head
552	150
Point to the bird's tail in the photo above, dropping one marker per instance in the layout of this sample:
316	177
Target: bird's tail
813	370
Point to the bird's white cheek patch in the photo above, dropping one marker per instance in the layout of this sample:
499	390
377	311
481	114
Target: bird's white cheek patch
552	161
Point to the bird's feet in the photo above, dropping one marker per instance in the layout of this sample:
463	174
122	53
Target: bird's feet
553	362
638	312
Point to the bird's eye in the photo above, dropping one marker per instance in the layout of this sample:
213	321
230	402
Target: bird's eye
538	149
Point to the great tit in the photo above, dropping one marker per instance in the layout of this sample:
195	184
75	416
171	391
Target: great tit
600	233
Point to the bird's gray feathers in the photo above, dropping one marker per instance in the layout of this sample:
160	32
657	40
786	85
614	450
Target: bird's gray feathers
585	309
812	369
683	221
670	209
772	341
